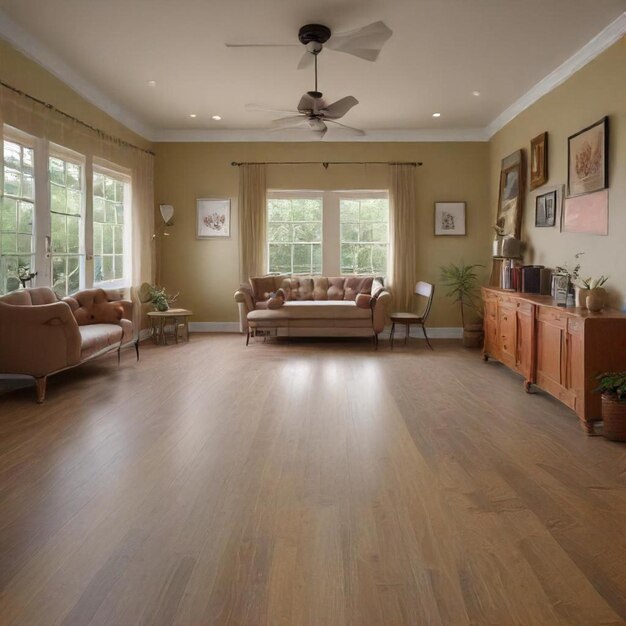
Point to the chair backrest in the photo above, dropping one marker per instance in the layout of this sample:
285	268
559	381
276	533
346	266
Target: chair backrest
427	291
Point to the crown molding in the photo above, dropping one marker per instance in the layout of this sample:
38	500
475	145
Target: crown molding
603	40
252	135
43	55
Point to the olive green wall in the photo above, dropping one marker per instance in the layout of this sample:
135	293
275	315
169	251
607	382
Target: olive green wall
598	89
206	272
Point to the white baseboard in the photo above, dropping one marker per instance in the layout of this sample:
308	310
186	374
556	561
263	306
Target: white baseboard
213	327
442	332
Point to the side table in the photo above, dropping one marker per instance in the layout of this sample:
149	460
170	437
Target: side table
161	319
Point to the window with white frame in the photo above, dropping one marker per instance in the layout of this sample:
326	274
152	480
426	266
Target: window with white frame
17	214
66	180
111	228
364	232
294	232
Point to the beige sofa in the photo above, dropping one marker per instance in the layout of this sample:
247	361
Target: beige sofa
41	335
316	306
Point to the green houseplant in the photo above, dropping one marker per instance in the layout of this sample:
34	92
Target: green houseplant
462	283
612	386
159	298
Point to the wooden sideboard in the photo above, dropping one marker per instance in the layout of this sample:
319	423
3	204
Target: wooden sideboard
559	349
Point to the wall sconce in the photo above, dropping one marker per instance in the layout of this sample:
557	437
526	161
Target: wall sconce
167	213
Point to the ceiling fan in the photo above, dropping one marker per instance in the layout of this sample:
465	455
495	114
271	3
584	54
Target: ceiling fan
365	43
312	111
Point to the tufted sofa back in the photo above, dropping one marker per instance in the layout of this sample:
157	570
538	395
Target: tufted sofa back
312	287
30	296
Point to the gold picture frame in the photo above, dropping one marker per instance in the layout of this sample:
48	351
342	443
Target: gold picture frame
539	161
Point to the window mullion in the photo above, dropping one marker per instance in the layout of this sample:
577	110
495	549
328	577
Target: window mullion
88	222
42	214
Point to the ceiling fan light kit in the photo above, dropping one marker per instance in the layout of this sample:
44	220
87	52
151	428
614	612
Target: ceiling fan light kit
312	111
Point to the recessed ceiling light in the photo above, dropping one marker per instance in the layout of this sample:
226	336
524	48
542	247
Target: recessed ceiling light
152	83
476	93
192	115
436	114
217	118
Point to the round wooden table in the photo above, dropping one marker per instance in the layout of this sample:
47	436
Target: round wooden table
161	319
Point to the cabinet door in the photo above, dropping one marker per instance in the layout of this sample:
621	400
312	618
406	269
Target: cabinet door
507	334
575	362
525	348
491	328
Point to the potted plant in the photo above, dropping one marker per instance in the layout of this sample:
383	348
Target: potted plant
595	294
160	299
462	283
613	389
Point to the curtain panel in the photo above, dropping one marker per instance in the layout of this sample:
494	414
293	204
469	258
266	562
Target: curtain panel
252	221
403	231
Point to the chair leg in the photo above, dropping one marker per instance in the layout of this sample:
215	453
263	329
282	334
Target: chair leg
40	388
248	337
406	333
119	355
426	337
375	341
393	329
137	348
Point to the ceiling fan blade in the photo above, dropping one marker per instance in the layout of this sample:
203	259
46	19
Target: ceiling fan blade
306	61
294	121
309	104
260	107
365	43
355	131
262	45
338	109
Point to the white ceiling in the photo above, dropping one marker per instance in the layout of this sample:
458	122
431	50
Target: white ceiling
440	52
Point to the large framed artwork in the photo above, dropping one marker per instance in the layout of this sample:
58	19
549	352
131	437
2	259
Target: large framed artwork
539	161
511	195
212	218
449	218
587	213
587	159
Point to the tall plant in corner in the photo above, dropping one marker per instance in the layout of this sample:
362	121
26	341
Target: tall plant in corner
462	283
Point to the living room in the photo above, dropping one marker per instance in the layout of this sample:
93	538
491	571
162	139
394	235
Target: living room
242	461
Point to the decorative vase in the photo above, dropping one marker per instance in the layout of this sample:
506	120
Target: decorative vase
613	418
161	305
581	297
596	299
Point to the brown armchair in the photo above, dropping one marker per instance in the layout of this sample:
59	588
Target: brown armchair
41	335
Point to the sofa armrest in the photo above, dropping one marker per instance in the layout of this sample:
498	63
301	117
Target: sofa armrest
245	301
127	307
379	312
38	340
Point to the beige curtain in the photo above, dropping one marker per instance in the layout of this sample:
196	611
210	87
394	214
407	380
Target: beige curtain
252	221
403	230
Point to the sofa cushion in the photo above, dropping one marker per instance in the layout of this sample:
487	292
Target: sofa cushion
92	306
97	337
305	290
335	288
320	288
363	301
302	309
355	285
262	286
30	296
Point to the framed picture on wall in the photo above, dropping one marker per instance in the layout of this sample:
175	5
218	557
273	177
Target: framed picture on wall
587	159
212	218
449	218
545	209
511	195
539	161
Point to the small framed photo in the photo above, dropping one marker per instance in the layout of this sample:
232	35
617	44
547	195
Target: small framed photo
212	218
449	218
587	159
545	209
539	161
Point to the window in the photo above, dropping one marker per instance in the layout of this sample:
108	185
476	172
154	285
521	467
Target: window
364	233
111	231
294	233
17	213
66	225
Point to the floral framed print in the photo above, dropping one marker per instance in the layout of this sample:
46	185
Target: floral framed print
212	218
449	218
587	159
539	161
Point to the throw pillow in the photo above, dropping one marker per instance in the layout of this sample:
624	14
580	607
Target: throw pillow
262	287
364	301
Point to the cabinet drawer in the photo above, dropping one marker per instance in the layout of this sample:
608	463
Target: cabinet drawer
552	316
524	307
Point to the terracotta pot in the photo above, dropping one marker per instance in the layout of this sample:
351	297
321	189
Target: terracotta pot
473	336
596	299
614	418
581	297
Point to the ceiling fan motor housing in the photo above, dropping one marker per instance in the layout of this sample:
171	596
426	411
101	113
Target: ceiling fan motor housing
314	32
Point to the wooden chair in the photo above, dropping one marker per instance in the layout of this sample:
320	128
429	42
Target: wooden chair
421	289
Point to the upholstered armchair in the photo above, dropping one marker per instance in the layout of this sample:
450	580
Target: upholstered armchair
41	335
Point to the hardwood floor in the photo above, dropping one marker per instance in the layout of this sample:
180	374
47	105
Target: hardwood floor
305	484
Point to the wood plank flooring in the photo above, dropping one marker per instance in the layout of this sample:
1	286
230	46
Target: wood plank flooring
301	484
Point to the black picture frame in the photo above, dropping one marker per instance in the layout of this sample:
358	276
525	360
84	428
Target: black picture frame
546	209
588	159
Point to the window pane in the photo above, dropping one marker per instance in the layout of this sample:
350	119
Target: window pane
26	210
294	225
97	238
107	268
24	243
109	188
119	266
73	274
73	176
11	183
9	215
58	275
28	189
98	185
12	155
9	243
58	233
110	213
118	239
58	198
74	201
364	235
98	209
57	171
97	269
73	234
107	238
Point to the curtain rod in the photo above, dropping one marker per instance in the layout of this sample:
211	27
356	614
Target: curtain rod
327	163
101	133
